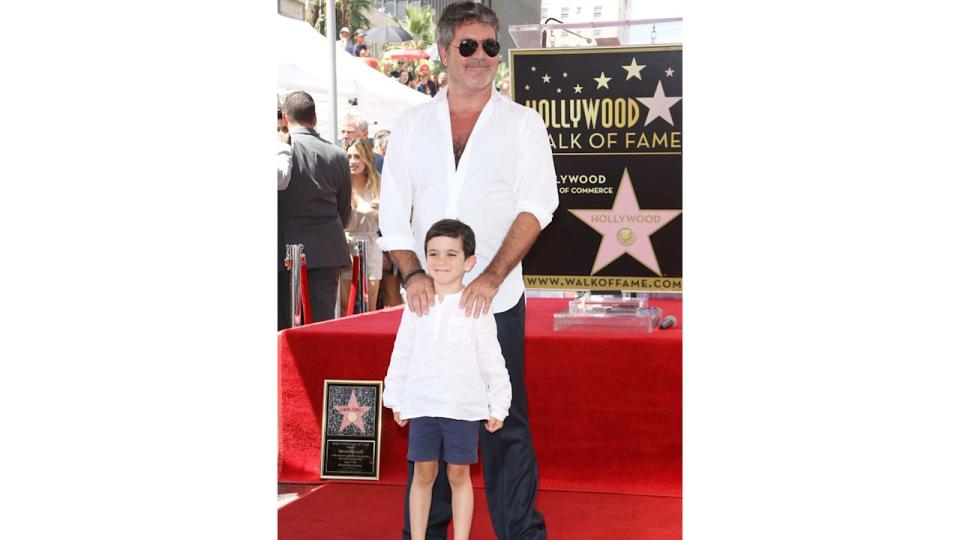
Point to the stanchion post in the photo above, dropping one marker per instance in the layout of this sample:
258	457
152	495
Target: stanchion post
295	253
362	301
336	307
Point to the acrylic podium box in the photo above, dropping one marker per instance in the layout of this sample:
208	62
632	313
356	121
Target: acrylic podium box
596	313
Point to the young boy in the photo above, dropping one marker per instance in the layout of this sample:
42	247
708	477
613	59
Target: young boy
446	374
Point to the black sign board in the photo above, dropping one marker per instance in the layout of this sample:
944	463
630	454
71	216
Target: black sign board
614	117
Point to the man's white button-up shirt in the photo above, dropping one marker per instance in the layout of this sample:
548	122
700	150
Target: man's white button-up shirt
506	168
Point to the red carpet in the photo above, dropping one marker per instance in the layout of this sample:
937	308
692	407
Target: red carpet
605	413
352	511
613	399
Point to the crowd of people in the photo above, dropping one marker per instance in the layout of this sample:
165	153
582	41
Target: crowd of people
422	76
355	46
419	77
365	157
452	238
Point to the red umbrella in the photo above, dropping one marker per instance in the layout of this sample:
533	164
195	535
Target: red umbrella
407	54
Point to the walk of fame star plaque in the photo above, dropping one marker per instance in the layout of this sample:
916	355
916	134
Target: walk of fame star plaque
350	436
614	119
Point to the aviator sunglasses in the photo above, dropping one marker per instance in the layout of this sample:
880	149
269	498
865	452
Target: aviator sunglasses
469	46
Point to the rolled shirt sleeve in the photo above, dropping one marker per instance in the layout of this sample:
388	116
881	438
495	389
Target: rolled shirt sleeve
345	193
396	196
284	165
536	180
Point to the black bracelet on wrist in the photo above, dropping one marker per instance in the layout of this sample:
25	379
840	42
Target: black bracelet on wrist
407	277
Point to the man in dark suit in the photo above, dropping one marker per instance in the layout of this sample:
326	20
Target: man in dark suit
313	210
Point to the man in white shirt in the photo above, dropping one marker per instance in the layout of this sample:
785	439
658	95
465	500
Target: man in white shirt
472	154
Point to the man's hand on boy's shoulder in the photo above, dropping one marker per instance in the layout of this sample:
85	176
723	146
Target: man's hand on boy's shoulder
420	293
396	418
493	424
478	296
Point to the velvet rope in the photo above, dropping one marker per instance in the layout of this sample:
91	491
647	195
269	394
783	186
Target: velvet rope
360	282
351	299
305	291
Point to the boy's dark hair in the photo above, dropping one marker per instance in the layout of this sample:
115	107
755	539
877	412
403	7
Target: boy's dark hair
300	108
452	228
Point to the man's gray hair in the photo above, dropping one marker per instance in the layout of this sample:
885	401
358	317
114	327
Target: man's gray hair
358	119
381	139
460	13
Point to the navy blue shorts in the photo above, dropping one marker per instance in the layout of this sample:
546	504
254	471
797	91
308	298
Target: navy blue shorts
459	438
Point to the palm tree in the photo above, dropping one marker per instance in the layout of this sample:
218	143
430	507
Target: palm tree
349	14
420	24
312	12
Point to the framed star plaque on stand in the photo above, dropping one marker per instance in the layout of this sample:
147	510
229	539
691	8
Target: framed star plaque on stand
614	122
350	435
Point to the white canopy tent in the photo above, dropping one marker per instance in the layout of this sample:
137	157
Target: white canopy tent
303	63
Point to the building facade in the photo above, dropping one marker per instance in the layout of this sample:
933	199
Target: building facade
295	9
582	11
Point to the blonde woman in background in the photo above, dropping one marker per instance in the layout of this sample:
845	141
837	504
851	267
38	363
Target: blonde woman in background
364	221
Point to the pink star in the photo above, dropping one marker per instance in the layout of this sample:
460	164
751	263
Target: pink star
352	413
626	228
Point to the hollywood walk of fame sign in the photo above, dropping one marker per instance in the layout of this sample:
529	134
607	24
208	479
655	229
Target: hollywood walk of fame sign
614	118
350	439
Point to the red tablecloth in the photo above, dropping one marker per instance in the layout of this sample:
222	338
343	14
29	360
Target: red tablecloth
605	408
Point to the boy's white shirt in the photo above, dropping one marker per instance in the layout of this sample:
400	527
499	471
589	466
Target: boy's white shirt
447	365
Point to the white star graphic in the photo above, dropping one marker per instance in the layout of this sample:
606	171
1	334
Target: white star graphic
526	87
558	90
564	74
633	70
659	105
669	72
533	68
602	81
577	89
546	78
